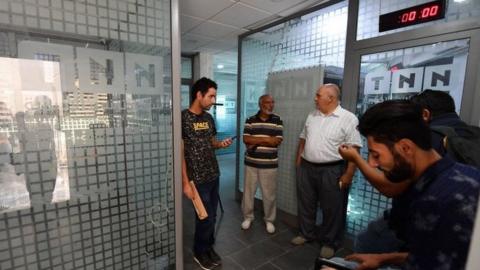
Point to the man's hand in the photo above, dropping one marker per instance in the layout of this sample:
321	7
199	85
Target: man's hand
374	261
226	142
298	161
349	152
345	181
274	141
187	190
300	148
366	261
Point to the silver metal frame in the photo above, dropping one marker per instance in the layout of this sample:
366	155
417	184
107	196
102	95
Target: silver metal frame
177	132
411	38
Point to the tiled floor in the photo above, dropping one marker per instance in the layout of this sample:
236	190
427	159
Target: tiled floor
250	249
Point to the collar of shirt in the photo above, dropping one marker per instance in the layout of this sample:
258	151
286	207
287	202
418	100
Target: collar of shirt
258	117
432	172
337	112
196	115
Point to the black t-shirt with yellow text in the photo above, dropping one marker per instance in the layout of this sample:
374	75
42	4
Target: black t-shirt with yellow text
197	134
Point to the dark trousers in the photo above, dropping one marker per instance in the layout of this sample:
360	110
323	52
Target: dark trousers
320	184
205	229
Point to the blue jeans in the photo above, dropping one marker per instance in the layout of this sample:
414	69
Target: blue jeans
205	229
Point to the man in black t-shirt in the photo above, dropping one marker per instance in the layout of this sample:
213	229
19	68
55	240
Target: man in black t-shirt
200	165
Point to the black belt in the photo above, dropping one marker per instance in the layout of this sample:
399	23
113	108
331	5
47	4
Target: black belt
323	164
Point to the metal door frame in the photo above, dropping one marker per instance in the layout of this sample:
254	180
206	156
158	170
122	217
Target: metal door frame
469	28
446	31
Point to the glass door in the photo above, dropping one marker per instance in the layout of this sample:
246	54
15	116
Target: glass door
86	155
398	71
398	74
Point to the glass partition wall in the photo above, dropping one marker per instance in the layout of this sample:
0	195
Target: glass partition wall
290	61
225	74
86	151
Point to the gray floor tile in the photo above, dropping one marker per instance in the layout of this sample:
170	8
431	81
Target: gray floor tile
228	245
229	264
257	254
256	233
283	238
267	266
299	258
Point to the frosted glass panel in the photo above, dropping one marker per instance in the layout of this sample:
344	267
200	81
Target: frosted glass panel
86	152
290	60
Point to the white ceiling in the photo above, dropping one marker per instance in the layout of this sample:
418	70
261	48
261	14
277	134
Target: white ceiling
214	25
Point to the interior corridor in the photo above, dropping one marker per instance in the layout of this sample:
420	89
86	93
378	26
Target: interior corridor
253	248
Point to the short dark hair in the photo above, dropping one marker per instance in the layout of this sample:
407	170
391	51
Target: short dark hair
436	102
202	85
262	97
392	120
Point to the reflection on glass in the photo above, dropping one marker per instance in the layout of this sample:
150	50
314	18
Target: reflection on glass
186	68
33	154
402	73
13	190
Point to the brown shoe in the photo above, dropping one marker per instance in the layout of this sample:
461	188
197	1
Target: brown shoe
298	240
327	252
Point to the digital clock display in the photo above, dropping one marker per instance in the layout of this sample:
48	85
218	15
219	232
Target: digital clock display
413	15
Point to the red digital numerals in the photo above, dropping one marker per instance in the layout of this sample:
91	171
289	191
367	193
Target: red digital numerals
424	13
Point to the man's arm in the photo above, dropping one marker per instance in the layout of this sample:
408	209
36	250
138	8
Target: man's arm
375	177
374	261
262	141
187	188
346	179
221	144
301	147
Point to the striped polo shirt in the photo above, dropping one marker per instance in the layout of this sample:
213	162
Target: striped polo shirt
263	156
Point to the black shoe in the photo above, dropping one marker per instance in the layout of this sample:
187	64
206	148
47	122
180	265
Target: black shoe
204	261
214	257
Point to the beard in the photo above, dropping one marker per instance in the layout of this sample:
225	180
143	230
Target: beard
401	170
266	111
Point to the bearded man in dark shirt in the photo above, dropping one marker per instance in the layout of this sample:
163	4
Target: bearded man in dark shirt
441	196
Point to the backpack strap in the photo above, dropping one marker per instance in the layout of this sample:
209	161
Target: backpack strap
446	132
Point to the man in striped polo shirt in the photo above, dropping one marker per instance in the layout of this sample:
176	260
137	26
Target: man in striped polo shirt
262	135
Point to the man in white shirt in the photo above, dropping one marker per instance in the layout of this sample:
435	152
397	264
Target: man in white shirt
322	174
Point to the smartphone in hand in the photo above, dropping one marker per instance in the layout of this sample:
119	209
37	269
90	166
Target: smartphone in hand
332	264
233	138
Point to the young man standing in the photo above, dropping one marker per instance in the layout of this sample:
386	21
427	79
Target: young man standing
199	164
262	135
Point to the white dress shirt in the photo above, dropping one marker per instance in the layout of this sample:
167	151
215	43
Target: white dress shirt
323	134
